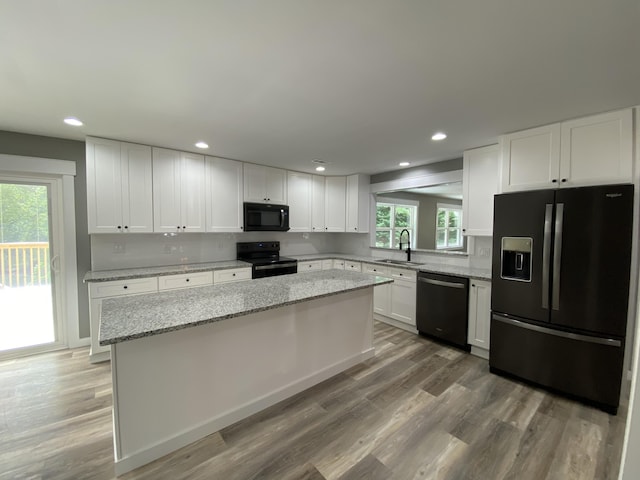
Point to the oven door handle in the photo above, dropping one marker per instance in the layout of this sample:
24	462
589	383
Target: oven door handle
275	266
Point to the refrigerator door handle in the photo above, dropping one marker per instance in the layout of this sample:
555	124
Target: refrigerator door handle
557	257
546	254
610	342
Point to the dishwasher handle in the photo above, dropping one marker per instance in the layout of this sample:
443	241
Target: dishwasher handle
440	283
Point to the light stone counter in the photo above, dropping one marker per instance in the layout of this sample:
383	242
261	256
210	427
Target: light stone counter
143	272
470	272
128	318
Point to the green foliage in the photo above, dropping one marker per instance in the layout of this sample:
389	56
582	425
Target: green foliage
383	216
24	215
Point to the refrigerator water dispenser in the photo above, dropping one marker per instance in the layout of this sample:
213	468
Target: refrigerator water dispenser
516	258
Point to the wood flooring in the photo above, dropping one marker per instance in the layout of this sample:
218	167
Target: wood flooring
417	410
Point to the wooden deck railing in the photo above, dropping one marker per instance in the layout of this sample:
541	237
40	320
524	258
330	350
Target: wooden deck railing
24	264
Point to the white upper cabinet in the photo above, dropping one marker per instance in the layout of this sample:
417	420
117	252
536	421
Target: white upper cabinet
586	151
119	187
317	203
265	184
335	204
480	174
299	198
531	159
357	203
178	191
597	150
224	194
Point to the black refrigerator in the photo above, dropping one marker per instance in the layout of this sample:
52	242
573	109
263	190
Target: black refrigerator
560	289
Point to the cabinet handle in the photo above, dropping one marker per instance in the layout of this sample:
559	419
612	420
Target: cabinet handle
126	227
233	274
187	280
178	227
119	227
184	227
555	180
564	180
473	284
125	287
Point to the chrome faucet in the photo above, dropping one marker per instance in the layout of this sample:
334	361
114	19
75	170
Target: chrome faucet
408	244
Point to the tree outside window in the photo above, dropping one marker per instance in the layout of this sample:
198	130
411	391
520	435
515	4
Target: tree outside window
449	226
391	219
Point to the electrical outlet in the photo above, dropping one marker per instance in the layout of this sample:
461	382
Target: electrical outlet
118	247
485	252
169	249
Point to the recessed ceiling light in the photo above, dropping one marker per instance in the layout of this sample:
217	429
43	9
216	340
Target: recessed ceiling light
438	136
404	164
202	145
320	169
73	121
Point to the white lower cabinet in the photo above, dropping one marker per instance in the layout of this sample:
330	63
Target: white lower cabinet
327	264
99	291
309	266
397	300
338	264
353	266
479	317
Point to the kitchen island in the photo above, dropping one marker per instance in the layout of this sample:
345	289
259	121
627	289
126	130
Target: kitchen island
187	363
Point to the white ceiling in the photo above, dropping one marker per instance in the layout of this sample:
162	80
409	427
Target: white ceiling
360	84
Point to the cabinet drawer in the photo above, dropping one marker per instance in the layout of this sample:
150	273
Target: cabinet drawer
185	280
402	274
123	287
338	264
231	275
374	269
327	264
354	266
309	266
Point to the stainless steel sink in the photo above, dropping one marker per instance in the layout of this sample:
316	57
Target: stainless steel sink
398	262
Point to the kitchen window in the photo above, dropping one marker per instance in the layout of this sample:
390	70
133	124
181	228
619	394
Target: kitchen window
393	216
449	226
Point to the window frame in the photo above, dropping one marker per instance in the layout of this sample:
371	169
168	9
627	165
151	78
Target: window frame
394	203
448	207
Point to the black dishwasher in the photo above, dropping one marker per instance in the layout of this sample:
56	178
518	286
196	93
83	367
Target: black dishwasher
442	307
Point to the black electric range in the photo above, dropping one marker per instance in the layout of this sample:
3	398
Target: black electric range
265	258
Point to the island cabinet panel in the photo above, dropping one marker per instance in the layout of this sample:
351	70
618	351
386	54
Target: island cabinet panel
174	388
223	195
119	187
299	198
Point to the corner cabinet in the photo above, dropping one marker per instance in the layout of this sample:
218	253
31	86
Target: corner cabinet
299	189
479	317
357	204
480	174
224	194
265	184
178	191
593	150
119	187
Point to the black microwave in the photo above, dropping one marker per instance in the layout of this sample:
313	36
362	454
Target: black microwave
263	217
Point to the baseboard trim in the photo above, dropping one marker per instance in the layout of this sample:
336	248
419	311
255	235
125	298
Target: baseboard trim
214	424
395	323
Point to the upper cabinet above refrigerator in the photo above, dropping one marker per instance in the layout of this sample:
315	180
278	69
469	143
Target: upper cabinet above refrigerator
595	150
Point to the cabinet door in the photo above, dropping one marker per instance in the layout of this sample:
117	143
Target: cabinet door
104	186
327	264
531	159
597	150
192	197
317	203
479	184
479	313
167	182
403	301
381	293
254	183
137	190
335	204
299	194
223	180
275	185
310	266
357	207
338	264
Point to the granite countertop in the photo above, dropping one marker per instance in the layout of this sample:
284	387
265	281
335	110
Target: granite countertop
462	271
128	318
128	273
